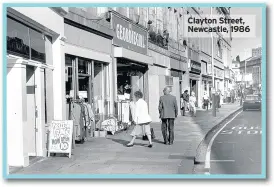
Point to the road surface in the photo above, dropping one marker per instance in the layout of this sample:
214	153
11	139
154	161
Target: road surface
237	148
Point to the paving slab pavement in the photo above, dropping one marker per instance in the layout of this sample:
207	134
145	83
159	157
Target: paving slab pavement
110	156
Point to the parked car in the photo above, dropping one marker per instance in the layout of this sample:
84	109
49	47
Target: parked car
252	102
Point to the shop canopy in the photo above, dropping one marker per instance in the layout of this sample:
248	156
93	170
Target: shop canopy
120	52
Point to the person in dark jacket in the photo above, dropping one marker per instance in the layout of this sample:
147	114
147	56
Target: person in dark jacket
168	111
184	102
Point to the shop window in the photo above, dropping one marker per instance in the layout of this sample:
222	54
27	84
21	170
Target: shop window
83	79
169	80
130	78
17	39
205	86
25	42
98	87
37	44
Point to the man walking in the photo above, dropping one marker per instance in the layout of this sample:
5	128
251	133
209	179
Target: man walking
168	110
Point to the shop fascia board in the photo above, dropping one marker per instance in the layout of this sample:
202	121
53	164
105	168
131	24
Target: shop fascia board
120	52
78	19
20	60
31	23
87	53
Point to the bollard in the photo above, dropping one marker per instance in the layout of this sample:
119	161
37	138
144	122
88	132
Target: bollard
213	105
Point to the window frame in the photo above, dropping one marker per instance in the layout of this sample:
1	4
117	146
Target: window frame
29	28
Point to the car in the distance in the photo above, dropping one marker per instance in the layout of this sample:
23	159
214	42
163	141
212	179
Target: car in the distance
252	102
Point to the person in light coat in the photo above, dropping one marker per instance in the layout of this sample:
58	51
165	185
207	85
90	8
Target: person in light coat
141	119
192	102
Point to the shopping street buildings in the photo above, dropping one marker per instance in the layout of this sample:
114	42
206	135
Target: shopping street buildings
102	55
250	68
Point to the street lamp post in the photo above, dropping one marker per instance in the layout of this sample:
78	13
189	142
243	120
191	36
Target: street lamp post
212	71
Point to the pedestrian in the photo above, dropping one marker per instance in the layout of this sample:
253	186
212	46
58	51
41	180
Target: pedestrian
233	96
218	101
206	100
192	102
184	102
168	111
141	119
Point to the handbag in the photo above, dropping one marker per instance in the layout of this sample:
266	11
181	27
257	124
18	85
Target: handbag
152	135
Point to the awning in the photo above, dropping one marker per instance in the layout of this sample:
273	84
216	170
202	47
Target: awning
87	53
120	52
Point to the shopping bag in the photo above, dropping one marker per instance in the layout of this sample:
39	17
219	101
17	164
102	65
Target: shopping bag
152	135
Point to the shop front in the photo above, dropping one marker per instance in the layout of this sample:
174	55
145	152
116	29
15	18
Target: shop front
195	80
206	77
30	69
177	70
219	82
130	65
159	77
87	74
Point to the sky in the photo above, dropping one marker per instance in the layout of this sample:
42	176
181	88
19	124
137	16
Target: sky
239	45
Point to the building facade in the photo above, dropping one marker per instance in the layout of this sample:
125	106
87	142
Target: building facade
34	59
223	78
250	69
101	55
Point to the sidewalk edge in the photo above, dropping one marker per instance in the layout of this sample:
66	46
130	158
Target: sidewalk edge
203	142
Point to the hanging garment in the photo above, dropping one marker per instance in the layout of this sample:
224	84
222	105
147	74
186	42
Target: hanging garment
78	120
85	114
125	112
89	114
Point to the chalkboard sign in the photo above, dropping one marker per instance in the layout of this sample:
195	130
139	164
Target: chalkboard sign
60	137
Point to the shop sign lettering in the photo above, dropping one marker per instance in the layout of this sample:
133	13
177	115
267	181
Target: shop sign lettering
134	73
195	66
129	35
60	137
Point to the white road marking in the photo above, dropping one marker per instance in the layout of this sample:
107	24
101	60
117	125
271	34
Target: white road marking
251	159
222	160
208	152
226	132
252	132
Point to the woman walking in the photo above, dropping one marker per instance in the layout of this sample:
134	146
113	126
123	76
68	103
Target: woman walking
192	102
141	120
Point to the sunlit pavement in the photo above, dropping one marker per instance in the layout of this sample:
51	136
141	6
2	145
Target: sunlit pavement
110	156
237	149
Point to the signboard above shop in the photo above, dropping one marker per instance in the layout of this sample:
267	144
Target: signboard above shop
128	35
195	67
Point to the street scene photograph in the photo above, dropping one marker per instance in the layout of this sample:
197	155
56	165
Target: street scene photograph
134	91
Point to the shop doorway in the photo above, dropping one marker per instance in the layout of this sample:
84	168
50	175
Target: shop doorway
130	78
31	128
194	88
